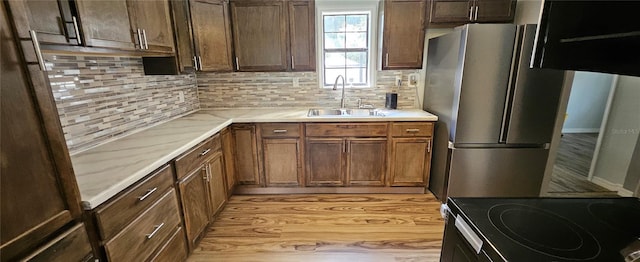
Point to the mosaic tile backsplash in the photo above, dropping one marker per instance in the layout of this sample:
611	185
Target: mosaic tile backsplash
103	98
277	89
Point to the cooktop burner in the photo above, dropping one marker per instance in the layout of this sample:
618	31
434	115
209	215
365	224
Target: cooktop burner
624	219
559	238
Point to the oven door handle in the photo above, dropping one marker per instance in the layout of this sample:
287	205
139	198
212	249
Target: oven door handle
468	234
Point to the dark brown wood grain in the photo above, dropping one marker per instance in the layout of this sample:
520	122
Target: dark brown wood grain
282	161
183	36
450	11
403	34
195	204
186	163
212	34
228	152
106	24
246	154
117	213
216	185
496	11
346	129
412	129
366	161
154	18
302	39
72	245
410	161
280	130
325	162
457	12
175	249
51	19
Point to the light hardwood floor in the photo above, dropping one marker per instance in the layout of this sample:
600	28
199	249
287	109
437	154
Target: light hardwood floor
325	227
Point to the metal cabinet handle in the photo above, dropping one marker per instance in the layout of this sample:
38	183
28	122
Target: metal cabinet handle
205	152
293	63
237	64
195	62
36	46
200	62
428	146
386	59
149	192
476	15
279	131
412	130
155	230
471	12
139	31
144	35
76	29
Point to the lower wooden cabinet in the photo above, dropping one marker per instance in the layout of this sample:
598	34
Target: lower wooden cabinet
410	161
72	245
174	250
325	161
216	184
366	161
282	165
229	163
193	193
246	154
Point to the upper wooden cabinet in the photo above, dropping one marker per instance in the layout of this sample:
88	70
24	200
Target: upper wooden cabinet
153	20
52	20
39	194
457	12
273	35
211	35
403	34
106	24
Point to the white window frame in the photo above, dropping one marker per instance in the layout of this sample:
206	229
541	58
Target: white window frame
347	7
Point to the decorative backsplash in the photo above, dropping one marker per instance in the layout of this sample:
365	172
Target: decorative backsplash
103	98
277	89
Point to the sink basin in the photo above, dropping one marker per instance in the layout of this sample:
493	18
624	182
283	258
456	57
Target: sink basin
344	112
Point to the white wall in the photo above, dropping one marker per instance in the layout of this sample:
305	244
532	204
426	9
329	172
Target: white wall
587	102
620	134
527	12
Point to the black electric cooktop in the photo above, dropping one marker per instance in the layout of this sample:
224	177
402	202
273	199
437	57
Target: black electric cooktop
552	229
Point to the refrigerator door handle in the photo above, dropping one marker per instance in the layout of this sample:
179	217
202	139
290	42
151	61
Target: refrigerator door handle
506	115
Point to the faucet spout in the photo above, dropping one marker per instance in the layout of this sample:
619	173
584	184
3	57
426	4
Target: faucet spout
335	87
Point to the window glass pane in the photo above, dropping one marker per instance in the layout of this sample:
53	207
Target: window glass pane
334	23
334	40
357	76
334	60
357	59
330	76
356	40
357	22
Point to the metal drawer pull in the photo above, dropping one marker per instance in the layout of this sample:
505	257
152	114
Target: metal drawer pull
205	152
412	130
155	230
149	192
279	131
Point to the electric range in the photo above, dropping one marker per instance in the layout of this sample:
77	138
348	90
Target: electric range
542	229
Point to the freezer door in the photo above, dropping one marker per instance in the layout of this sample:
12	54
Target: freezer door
496	172
533	98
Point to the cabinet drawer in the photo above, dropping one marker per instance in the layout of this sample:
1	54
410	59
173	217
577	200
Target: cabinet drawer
175	249
72	245
410	129
119	212
196	156
147	232
280	130
347	129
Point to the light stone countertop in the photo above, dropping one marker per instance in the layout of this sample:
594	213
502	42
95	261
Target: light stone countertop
104	171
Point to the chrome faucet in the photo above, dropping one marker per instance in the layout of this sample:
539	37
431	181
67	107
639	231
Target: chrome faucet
335	87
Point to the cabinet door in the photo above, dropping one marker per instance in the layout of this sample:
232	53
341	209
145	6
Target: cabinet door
302	35
367	161
51	19
212	34
260	35
451	11
106	23
246	154
410	161
282	166
195	203
217	191
495	10
325	161
228	155
153	17
184	39
35	161
403	34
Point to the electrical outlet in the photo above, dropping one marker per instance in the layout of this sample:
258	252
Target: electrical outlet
413	80
398	81
296	82
181	96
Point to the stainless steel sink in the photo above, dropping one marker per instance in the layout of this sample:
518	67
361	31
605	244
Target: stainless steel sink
346	112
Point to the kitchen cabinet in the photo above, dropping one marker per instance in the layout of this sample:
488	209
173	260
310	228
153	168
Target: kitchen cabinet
229	163
153	20
410	154
346	154
211	35
52	20
273	35
246	154
456	12
72	245
106	24
185	53
216	184
403	34
35	160
193	195
282	155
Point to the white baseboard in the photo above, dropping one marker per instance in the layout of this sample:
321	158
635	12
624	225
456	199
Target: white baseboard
612	186
580	130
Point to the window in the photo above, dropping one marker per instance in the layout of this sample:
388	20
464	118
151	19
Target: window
345	36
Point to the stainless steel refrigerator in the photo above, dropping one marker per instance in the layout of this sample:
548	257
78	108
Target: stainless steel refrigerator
496	115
